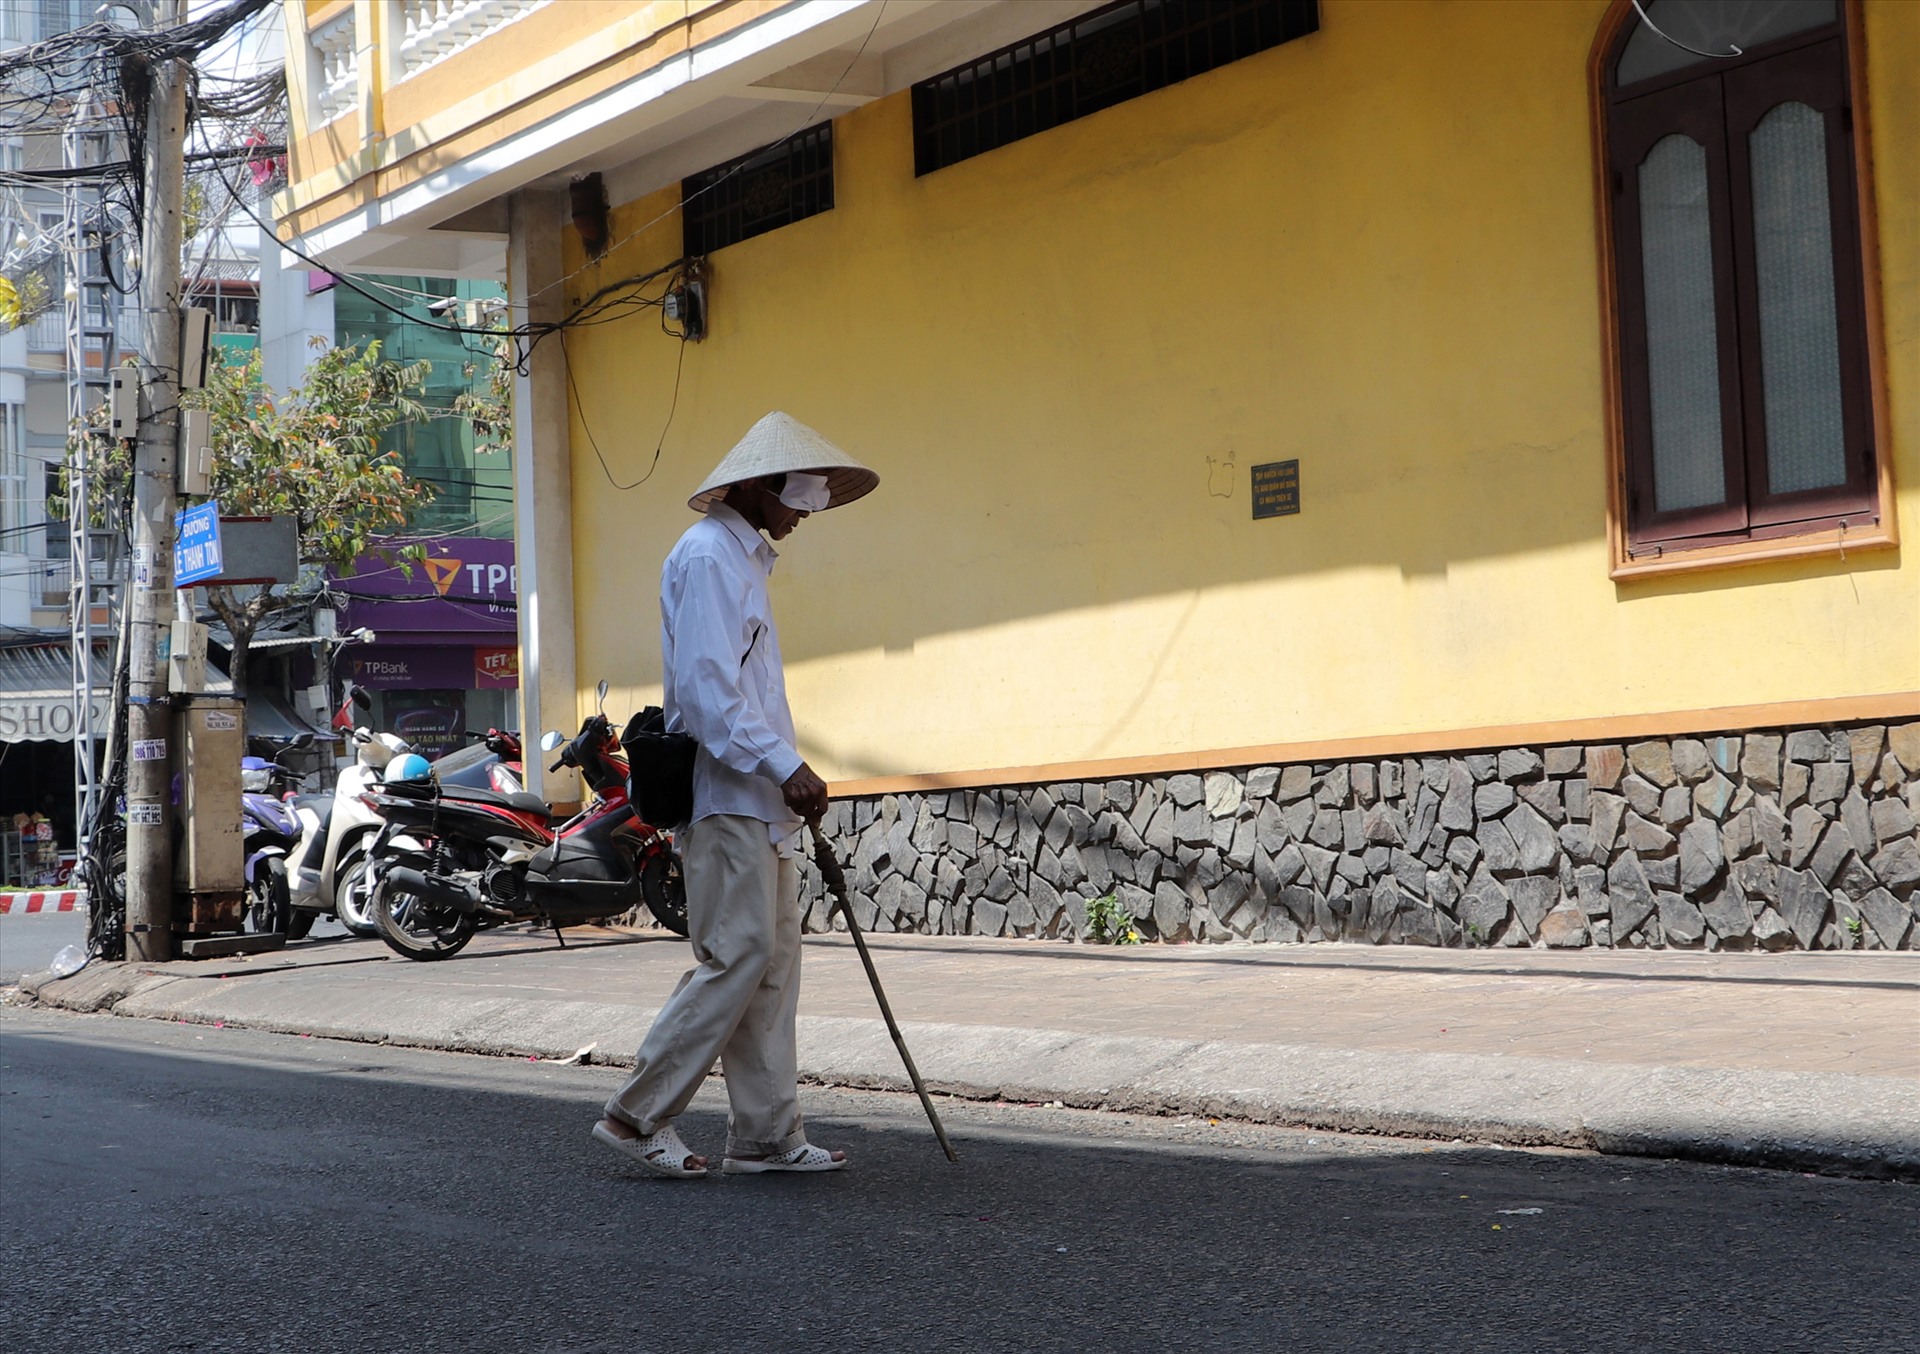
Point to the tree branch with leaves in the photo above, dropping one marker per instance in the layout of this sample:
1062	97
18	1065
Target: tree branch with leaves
313	454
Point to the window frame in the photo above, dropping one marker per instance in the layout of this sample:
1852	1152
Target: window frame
1751	527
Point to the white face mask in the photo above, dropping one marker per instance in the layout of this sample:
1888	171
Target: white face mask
806	491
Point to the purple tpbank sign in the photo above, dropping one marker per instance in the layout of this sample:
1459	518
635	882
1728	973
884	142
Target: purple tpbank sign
450	622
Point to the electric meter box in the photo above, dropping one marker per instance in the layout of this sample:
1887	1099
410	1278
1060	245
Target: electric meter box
209	739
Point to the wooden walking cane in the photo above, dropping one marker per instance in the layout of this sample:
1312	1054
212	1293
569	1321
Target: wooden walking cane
836	881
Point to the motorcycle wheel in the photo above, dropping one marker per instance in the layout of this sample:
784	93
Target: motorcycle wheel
268	908
665	890
416	930
350	901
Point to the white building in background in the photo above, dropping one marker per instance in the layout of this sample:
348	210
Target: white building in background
36	702
291	306
296	311
34	574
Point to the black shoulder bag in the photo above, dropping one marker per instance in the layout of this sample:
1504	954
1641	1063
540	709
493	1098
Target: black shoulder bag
660	764
659	769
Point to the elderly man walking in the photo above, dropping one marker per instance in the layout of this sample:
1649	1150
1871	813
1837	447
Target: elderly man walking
751	792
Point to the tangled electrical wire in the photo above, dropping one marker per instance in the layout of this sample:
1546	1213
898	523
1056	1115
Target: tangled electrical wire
98	77
614	301
45	78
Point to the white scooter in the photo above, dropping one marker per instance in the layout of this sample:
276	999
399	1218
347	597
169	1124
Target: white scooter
337	832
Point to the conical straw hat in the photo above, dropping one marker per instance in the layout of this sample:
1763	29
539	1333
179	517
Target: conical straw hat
779	443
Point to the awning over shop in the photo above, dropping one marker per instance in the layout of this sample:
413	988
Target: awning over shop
36	700
270	716
36	693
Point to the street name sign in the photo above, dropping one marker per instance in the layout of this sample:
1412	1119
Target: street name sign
196	545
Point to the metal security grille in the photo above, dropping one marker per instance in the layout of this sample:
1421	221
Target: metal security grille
758	192
1093	62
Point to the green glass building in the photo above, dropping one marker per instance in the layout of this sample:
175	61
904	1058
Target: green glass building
474	490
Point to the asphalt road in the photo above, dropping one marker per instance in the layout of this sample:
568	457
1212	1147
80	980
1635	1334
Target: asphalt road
30	940
172	1187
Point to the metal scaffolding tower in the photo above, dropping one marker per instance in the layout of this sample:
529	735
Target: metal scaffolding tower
98	556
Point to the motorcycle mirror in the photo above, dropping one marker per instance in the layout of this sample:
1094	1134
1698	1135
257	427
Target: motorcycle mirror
551	739
303	740
602	689
362	699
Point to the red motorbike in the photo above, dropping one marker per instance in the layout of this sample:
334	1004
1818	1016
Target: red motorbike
452	859
490	761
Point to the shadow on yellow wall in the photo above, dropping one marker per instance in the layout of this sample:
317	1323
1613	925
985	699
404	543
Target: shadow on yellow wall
1371	250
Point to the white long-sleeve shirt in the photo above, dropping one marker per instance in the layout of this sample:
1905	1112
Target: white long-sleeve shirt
724	680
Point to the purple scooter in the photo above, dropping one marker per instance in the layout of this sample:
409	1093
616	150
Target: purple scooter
270	832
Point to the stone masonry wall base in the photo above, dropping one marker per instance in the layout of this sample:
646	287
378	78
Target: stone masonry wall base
1802	838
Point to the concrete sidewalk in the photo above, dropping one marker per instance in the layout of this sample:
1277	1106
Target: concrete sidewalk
1801	1060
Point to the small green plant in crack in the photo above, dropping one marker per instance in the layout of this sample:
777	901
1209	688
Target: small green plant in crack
1476	933
1108	923
1856	928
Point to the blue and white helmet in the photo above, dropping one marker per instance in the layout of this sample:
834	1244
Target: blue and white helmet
407	766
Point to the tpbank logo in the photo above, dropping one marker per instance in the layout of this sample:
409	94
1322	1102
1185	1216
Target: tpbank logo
483	580
442	572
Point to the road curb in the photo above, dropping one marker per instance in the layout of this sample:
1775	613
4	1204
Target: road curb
1859	1125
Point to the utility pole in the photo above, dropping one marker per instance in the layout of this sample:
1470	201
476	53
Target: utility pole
150	709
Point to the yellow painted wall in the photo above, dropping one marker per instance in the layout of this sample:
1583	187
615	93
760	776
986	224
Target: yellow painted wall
1372	249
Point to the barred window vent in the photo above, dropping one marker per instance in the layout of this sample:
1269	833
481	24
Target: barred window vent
757	192
1090	63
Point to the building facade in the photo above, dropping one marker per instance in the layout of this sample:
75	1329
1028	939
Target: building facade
441	626
446	659
37	708
1431	472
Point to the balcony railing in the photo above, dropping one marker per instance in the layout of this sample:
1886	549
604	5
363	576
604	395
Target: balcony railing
432	30
337	62
48	332
52	580
428	32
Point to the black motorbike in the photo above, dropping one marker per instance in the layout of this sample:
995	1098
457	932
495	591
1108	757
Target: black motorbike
452	859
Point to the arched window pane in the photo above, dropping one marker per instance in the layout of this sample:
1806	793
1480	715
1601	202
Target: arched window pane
1683	340
1712	26
1799	330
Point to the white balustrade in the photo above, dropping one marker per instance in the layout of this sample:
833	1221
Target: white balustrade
425	32
432	30
337	61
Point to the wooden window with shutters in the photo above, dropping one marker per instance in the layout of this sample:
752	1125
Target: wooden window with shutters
1737	262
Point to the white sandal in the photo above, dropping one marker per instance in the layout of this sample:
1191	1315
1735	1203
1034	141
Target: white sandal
660	1152
805	1157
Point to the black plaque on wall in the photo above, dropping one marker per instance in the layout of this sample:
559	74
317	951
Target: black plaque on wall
1276	489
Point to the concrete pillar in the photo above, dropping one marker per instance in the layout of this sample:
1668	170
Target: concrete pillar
542	491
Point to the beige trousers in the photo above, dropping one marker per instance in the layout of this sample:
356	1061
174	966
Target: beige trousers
738	1002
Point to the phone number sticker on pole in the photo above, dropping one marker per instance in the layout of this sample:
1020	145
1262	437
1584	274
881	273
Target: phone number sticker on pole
196	545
